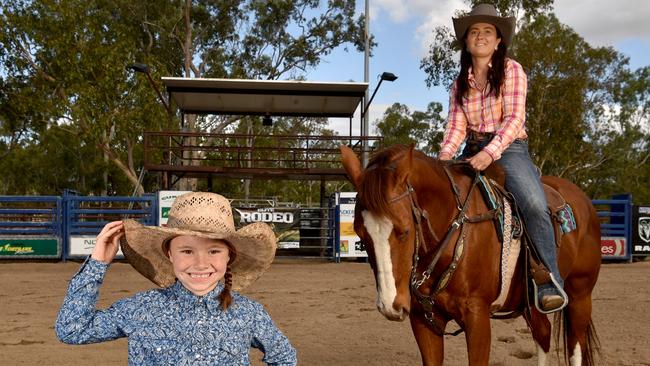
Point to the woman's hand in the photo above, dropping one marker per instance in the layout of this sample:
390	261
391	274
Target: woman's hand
444	156
108	242
480	161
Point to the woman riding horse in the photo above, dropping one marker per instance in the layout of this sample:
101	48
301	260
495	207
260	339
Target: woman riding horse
487	108
430	236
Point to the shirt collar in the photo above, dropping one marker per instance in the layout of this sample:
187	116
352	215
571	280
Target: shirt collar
470	71
187	300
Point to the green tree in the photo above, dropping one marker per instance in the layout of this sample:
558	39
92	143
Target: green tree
585	108
76	52
72	55
399	125
623	141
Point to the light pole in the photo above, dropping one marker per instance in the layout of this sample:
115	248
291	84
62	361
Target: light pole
143	68
366	79
388	76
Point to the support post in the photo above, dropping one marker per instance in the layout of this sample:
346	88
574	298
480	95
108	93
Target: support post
366	78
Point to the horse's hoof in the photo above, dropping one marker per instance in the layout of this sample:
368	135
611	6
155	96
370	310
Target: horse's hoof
552	302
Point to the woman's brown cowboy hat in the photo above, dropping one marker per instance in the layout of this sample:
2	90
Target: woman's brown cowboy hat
206	215
485	13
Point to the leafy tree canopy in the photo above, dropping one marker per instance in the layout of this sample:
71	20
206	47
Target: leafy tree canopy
64	74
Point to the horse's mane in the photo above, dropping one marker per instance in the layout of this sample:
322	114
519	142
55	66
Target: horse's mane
379	175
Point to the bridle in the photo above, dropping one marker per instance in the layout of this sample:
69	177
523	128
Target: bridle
416	280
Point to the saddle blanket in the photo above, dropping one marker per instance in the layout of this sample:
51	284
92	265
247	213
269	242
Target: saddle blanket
509	255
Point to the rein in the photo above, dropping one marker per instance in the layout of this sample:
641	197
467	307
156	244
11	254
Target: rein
427	301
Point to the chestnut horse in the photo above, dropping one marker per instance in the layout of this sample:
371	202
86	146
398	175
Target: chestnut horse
409	206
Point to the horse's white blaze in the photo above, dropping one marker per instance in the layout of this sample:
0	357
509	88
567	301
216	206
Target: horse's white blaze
542	359
576	358
379	229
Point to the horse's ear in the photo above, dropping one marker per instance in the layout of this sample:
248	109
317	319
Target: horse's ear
352	165
404	167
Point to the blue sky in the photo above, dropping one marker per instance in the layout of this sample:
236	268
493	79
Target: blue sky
403	28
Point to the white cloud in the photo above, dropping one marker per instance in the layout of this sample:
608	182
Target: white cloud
600	22
439	16
605	22
429	14
400	11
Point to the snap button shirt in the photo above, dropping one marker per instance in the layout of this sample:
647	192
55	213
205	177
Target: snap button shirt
483	111
171	326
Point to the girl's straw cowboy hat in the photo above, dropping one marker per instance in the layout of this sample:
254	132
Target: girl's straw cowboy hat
206	215
485	13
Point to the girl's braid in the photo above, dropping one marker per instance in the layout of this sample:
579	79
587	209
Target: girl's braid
225	298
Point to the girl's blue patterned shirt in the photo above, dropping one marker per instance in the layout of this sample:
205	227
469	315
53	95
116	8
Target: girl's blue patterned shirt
171	326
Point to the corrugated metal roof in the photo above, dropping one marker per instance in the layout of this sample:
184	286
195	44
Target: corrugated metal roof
265	97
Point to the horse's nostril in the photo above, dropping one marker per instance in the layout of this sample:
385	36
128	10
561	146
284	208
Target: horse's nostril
405	312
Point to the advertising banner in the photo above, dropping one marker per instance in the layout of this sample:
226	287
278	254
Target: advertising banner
641	231
613	247
285	223
82	246
165	200
30	247
350	243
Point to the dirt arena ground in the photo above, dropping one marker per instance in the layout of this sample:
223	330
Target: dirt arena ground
326	309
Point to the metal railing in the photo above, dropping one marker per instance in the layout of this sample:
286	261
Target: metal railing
169	151
615	227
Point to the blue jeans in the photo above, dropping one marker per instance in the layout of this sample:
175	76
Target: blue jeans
523	181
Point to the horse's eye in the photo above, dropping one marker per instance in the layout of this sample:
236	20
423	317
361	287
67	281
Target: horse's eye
402	234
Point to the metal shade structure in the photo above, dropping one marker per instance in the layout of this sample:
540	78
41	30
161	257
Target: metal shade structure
190	154
265	97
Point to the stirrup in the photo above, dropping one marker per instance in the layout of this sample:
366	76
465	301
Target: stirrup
551	304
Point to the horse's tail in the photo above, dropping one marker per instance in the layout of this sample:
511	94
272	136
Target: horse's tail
561	329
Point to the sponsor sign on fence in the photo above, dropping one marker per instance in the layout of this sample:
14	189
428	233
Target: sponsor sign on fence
285	223
613	247
82	245
350	244
165	201
641	231
32	247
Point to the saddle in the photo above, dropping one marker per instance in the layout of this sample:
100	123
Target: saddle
510	228
492	188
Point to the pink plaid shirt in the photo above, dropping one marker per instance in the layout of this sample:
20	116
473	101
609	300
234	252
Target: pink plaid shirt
504	116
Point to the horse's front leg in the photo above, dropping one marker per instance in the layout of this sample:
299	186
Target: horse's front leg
476	320
431	345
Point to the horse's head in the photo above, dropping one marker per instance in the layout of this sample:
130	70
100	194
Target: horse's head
384	222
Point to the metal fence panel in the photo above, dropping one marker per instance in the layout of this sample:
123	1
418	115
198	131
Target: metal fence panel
30	227
85	216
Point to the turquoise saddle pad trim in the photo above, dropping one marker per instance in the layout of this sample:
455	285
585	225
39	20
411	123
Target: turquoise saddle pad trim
567	220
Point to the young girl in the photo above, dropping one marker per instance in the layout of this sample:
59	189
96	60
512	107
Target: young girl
194	319
487	107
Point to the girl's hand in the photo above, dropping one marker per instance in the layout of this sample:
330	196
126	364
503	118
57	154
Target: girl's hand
480	161
108	242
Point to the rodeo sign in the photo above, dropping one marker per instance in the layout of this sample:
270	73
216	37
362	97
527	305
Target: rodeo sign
284	221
